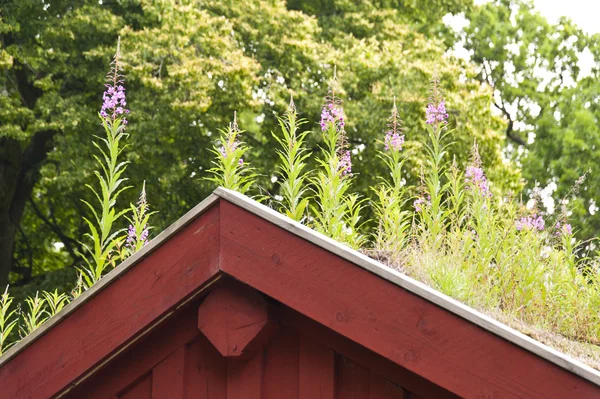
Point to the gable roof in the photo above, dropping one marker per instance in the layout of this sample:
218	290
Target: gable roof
229	233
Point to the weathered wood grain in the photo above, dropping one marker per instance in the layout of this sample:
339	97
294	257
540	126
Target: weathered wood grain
338	344
381	388
352	379
205	372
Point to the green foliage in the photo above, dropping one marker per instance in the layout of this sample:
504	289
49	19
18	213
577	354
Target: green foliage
8	320
55	301
292	157
548	100
192	64
230	170
336	212
139	225
463	239
105	240
35	315
390	203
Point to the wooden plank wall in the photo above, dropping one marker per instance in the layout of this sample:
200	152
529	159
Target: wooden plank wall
177	362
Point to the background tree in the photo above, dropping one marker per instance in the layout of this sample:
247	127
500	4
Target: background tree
548	100
189	65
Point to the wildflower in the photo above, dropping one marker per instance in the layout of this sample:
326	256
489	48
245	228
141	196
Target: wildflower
563	229
132	233
436	109
131	236
474	175
394	139
420	202
476	179
114	99
436	113
532	222
345	164
332	113
232	143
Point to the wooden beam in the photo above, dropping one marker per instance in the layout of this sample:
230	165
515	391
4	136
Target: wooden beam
235	318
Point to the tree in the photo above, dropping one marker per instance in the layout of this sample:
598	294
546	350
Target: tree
189	66
548	101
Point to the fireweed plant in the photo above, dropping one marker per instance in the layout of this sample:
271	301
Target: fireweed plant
230	170
105	239
8	320
393	217
336	212
107	244
291	170
139	229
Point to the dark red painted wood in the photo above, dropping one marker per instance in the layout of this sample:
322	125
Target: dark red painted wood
280	379
352	380
235	319
340	344
245	377
316	370
381	388
205	372
168	377
140	390
400	326
142	357
117	313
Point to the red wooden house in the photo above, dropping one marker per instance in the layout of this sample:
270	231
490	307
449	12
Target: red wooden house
237	301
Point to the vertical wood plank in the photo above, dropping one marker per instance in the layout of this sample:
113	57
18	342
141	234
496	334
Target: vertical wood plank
141	390
244	377
205	372
316	371
382	388
353	380
280	378
167	377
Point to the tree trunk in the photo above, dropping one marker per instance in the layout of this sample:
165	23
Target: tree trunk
7	246
10	159
19	172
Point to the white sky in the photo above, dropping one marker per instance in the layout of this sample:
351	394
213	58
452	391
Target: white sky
584	13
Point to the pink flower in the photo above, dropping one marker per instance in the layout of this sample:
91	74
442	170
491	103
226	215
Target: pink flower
393	141
345	164
530	223
436	113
